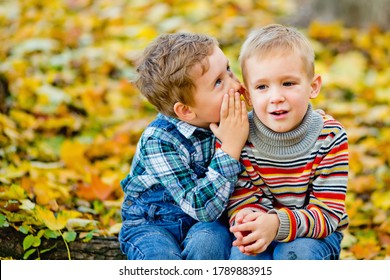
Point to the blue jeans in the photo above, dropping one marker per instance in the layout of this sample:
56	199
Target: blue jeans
175	241
299	249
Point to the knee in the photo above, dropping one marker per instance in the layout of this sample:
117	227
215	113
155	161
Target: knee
141	244
208	243
299	249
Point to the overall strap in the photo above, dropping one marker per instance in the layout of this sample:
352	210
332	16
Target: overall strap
172	129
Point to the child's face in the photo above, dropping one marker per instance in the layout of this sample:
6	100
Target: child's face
280	89
210	89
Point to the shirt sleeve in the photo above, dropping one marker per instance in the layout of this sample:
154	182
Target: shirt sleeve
203	198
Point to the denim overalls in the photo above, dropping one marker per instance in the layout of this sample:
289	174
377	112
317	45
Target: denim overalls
155	227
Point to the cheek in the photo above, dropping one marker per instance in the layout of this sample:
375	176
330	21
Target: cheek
258	102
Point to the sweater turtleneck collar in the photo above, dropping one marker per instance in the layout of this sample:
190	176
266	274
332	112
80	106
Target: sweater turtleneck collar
289	144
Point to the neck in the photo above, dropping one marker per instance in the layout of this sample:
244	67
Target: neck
289	144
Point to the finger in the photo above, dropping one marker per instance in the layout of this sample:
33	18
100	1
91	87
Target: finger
239	218
231	102
256	247
251	217
242	227
244	113
224	107
237	102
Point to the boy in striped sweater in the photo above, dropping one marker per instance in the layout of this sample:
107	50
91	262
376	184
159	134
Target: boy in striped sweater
289	203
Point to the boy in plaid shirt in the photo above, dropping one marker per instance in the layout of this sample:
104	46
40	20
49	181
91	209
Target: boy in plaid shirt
179	183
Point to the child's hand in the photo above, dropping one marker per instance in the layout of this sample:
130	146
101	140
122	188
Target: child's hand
240	216
262	230
233	128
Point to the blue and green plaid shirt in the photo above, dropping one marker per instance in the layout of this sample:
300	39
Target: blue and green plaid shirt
199	178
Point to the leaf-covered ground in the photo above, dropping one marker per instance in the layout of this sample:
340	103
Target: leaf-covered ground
70	119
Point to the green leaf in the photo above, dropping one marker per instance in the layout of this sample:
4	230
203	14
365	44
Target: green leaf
70	236
3	221
37	242
48	249
24	229
31	240
28	253
51	233
28	241
89	235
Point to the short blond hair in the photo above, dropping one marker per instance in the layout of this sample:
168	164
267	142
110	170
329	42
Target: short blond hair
165	73
273	37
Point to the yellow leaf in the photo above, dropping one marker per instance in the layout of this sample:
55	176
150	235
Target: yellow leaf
362	183
73	154
84	224
13	192
348	70
114	229
48	218
47	192
381	200
54	222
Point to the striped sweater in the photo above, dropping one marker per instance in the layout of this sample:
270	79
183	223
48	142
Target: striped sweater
299	175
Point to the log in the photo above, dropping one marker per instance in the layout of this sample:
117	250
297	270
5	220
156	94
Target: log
98	248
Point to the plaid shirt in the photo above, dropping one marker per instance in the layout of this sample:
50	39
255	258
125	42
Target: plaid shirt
163	160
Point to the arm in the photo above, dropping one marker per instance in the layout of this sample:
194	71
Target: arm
248	194
252	227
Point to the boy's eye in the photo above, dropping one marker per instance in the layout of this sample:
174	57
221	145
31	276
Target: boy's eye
288	84
261	87
218	82
228	68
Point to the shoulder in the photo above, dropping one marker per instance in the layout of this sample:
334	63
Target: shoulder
332	125
333	132
168	134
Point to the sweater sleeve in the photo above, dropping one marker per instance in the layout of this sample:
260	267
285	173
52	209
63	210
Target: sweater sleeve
247	193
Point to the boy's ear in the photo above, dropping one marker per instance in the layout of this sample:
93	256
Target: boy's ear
246	96
315	86
184	112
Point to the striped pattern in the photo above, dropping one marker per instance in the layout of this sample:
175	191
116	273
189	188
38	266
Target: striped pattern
279	185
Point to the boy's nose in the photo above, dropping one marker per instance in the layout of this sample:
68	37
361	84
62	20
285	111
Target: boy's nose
277	97
235	84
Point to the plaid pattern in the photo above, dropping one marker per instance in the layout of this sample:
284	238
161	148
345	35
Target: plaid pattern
199	178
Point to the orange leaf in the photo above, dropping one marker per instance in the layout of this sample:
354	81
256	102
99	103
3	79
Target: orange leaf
97	189
365	251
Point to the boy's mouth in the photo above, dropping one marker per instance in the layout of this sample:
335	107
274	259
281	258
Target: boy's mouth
279	112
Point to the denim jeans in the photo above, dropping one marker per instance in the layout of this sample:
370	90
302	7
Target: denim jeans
299	249
176	241
155	228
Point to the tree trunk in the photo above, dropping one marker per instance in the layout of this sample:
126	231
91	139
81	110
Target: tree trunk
99	248
352	13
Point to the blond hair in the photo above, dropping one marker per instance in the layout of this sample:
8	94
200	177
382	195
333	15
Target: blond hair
165	73
276	37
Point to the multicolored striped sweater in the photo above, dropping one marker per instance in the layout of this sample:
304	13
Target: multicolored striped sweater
299	175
